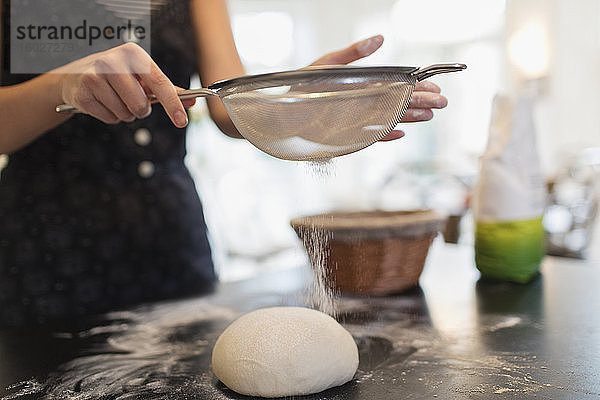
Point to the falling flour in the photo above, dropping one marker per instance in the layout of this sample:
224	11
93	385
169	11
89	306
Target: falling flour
323	168
320	295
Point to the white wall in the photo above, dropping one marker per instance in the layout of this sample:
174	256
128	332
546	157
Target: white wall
568	118
573	96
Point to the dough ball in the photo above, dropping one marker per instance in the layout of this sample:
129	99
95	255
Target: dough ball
284	351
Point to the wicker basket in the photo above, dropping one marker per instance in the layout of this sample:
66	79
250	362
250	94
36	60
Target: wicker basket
377	253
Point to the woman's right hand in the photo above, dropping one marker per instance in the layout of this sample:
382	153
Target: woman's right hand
114	85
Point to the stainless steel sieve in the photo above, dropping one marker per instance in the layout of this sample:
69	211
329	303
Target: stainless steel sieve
316	113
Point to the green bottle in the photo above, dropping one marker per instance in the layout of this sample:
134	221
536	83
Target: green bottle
510	196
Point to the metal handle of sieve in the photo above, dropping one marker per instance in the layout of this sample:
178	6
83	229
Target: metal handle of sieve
182	94
426	72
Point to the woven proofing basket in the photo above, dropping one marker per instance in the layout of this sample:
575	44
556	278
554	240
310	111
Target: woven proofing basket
376	252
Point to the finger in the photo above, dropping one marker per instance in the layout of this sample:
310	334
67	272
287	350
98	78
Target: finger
87	103
166	94
131	94
145	87
97	110
149	92
355	52
154	81
426	86
188	103
393	135
427	100
417	115
107	96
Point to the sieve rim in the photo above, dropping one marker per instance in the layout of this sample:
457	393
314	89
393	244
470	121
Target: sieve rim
313	72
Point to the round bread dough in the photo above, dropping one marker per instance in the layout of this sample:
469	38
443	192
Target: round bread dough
284	351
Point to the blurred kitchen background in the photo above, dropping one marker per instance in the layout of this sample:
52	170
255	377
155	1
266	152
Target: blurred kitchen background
550	48
547	48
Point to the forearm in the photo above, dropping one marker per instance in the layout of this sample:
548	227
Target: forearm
27	111
217	55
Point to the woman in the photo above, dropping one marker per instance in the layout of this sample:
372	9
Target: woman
97	210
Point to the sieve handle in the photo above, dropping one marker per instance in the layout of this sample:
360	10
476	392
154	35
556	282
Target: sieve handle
424	73
182	94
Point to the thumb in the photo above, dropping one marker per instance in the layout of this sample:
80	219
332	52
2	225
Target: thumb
354	52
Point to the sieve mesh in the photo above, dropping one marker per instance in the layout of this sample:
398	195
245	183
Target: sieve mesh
320	118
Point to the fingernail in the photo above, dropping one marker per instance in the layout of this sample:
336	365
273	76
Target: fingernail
148	112
441	102
181	119
368	46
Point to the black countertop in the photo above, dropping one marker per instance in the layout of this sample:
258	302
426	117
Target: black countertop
455	337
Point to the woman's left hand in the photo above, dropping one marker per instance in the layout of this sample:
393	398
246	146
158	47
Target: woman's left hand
426	95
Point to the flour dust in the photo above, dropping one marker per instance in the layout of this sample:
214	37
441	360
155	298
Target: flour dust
321	169
320	294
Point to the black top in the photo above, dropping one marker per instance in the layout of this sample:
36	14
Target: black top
94	216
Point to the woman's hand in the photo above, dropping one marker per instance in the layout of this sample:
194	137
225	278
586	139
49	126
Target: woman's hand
426	95
114	85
